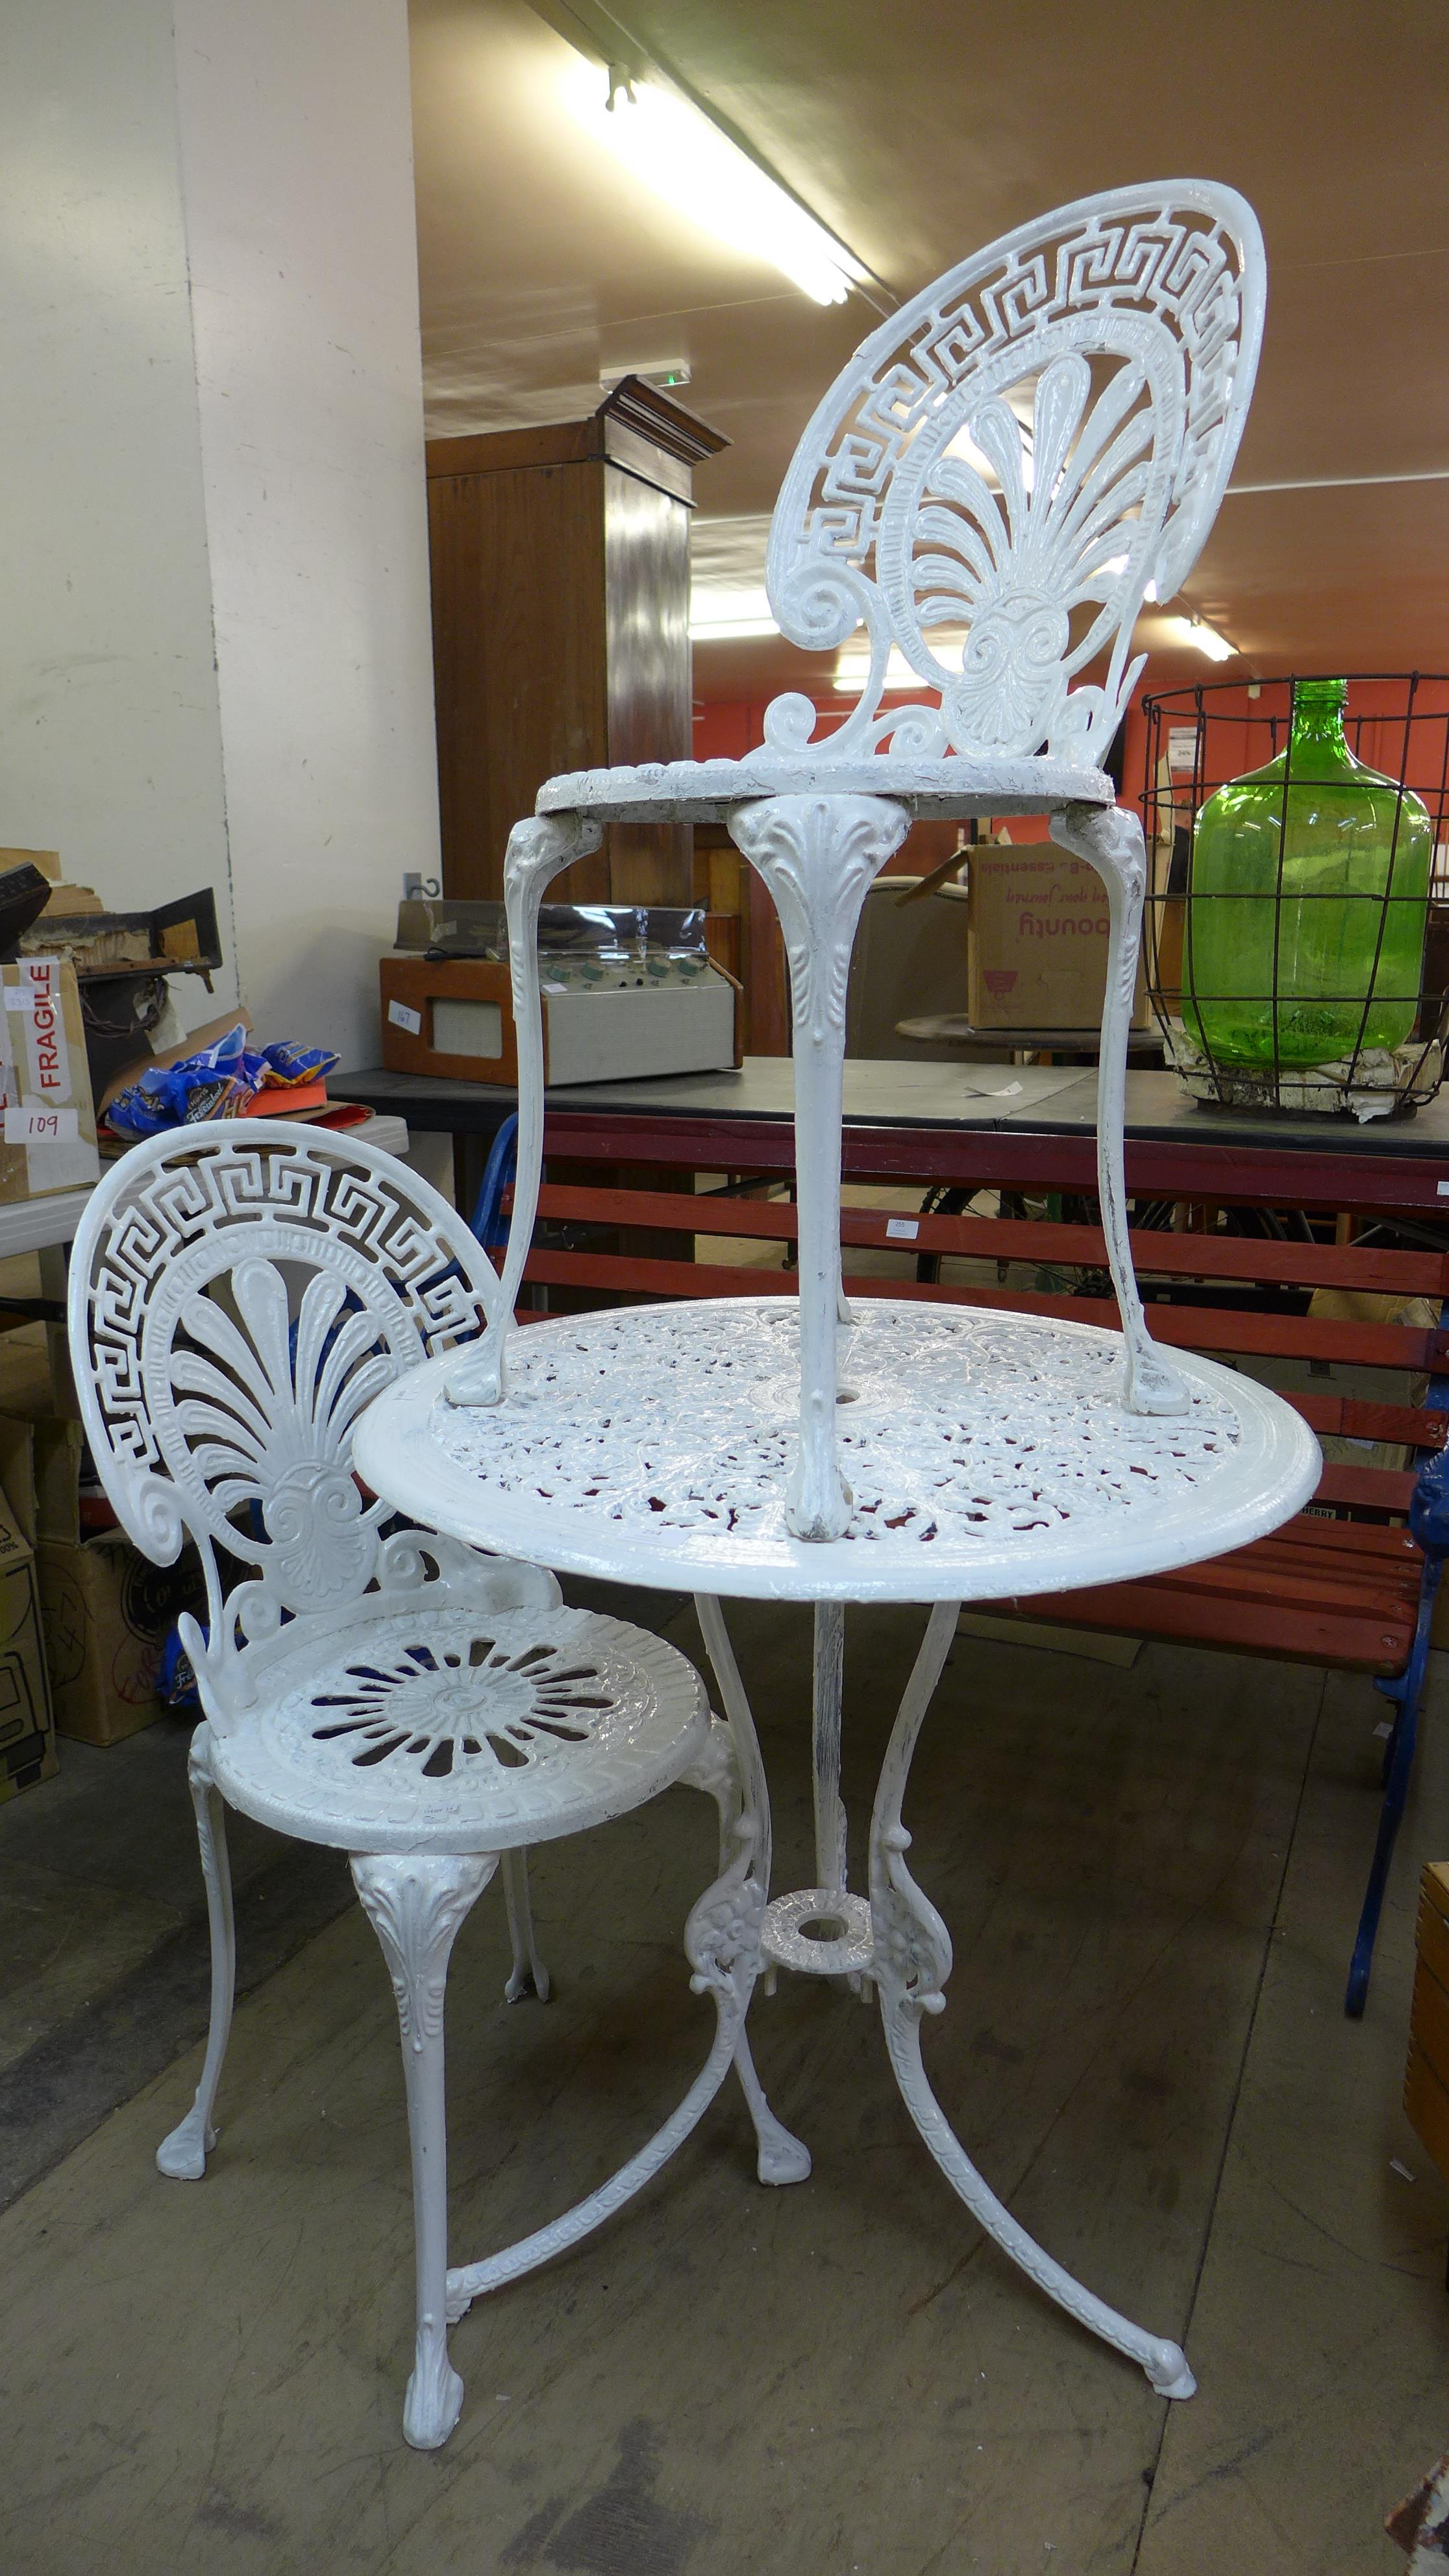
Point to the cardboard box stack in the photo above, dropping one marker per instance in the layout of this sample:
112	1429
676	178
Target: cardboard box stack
27	1728
104	1609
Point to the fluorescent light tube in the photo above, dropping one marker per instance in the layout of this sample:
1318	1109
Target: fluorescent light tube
670	147
716	613
1203	639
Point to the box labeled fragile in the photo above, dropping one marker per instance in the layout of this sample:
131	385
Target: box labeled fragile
47	1117
1038	930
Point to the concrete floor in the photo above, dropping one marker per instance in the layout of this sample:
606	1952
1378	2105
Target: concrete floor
1151	1878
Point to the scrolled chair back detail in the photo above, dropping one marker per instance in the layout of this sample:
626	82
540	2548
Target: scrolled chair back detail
239	1292
1008	464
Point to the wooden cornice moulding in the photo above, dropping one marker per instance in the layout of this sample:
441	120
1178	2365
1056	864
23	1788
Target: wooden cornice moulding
635	427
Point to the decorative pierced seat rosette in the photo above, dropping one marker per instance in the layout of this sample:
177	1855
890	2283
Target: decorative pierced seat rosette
404	1733
239	1297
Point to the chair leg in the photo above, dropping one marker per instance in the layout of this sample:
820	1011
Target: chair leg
528	1973
415	1906
1398	1769
182	2156
1396	1790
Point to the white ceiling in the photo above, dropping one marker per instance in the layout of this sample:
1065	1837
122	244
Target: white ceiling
919	134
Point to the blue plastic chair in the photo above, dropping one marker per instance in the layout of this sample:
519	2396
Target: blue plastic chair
488	1221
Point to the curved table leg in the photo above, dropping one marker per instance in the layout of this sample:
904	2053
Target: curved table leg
912	1963
722	1944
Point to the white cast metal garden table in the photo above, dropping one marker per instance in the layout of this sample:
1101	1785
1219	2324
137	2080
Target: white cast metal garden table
988	1455
1002	474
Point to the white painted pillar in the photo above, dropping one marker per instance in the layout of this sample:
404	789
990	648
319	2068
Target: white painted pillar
215	661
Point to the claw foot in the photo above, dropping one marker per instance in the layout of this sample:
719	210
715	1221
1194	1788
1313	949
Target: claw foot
435	2394
781	2158
1169	2373
182	2156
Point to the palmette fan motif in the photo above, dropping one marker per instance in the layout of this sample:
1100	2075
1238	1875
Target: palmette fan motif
244	1305
268	1413
1009	463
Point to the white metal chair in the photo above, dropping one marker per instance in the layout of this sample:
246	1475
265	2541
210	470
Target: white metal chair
239	1293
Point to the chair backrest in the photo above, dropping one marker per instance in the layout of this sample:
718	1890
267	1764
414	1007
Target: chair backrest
1010	461
239	1291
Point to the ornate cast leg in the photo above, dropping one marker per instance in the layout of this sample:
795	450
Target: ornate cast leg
740	1787
183	2154
537	850
528	1972
912	1963
415	1906
818	855
1110	840
820	1931
722	1944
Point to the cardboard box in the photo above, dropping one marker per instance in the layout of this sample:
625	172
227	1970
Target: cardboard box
27	1730
454	1017
1037	943
105	1608
49	1119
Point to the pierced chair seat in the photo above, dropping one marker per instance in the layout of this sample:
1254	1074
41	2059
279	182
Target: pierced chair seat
238	1298
457	1730
947	789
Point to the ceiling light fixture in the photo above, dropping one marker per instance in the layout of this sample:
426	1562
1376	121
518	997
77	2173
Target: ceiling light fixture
852	669
673	148
1203	639
717	615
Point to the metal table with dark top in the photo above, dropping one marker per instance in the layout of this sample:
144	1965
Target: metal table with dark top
1024	1128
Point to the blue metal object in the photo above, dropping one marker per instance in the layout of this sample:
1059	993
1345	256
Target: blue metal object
1429	1523
488	1221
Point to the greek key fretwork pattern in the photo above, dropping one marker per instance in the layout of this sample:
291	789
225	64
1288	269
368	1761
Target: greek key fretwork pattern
1009	461
247	1291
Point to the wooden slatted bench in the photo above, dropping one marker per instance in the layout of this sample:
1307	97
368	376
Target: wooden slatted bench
1344	1585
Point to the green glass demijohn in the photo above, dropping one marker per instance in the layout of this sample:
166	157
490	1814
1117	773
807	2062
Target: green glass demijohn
1307	902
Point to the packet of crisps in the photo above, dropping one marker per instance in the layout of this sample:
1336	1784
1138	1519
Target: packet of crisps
289	1066
213	1083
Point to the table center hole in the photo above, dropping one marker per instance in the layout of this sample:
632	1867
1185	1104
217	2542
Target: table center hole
824	1927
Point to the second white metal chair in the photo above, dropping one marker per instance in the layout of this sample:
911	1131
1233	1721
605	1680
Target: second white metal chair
239	1294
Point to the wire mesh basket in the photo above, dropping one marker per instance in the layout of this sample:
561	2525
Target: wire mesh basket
1297	931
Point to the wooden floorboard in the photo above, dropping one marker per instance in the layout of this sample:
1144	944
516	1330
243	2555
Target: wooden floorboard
1151	1917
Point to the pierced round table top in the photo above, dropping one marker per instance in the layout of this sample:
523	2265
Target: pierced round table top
988	1454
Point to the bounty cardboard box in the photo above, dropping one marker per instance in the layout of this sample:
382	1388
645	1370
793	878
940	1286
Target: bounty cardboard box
48	1141
1037	941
